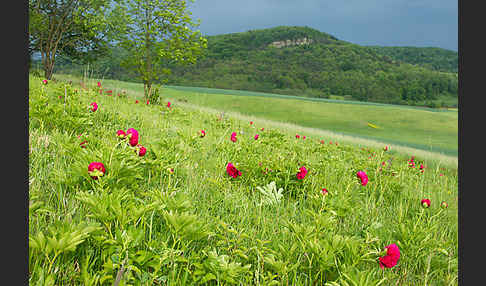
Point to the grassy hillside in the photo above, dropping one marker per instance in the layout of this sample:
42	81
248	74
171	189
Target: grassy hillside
431	58
176	217
426	129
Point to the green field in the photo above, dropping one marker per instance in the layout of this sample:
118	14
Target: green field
433	130
176	217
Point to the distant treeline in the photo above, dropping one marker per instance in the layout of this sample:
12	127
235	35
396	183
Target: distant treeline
327	66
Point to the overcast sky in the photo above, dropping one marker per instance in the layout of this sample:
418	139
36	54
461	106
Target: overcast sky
421	23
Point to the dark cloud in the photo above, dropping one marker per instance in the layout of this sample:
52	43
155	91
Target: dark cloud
424	23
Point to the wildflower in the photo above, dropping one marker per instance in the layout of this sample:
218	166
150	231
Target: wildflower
297	136
96	170
251	122
121	134
363	177
233	137
422	167
302	173
141	150
95	106
440	175
386	148
391	258
203	133
45	81
170	170
444	204
232	171
168	104
148	102
133	136
136	101
425	203
303	138
330	142
324	191
256	136
322	142
82	144
262	129
99	84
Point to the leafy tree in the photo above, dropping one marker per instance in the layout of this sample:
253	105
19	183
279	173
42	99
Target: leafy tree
76	28
159	32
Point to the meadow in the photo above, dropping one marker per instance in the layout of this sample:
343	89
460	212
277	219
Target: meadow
296	213
428	129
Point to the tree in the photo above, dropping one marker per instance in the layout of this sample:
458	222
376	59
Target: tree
159	34
75	28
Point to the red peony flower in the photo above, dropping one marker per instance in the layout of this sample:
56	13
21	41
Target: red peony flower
133	136
324	191
386	148
233	137
251	122
232	171
322	142
302	173
444	204
95	106
303	137
203	133
45	81
141	150
391	258
99	84
256	136
363	177
168	104
148	102
425	203
297	136
136	101
121	134
96	170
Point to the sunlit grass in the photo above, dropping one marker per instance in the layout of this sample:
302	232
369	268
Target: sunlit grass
198	224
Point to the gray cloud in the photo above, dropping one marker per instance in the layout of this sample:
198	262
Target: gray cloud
424	23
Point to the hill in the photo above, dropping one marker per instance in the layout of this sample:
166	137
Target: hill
305	62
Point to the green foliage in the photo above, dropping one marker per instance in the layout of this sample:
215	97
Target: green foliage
141	224
431	58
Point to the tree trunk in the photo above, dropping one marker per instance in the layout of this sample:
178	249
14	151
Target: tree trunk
48	63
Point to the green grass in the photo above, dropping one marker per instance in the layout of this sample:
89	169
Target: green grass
199	226
433	130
